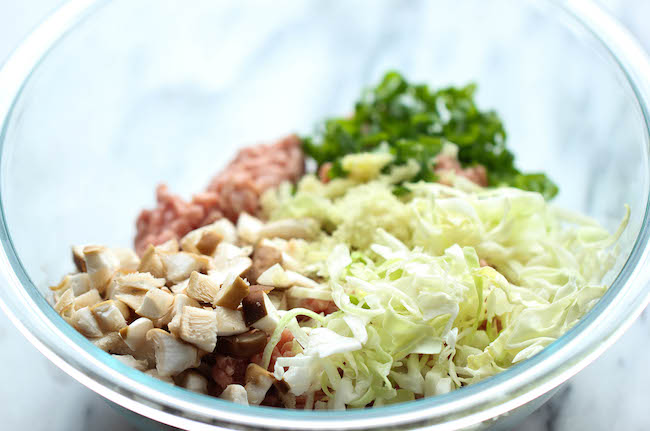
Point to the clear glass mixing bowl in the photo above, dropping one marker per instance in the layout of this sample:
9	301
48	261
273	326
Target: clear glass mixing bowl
106	99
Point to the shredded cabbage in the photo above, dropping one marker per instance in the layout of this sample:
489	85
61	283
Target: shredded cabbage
436	289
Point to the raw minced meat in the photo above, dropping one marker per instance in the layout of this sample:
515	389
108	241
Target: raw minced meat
235	190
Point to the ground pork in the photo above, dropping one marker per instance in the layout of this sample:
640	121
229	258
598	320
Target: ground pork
284	348
236	189
228	371
319	306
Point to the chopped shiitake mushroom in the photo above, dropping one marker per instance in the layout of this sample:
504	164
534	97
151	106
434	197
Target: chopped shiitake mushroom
224	268
124	309
78	257
233	290
87	299
65	301
276	276
180	288
202	288
79	283
130	361
101	264
249	227
109	316
259	312
152	263
198	327
264	257
236	394
84	322
172	355
229	322
129	261
179	266
132	288
156	375
172	319
227	251
112	343
304	228
193	381
204	238
169	246
278	299
208	243
258	381
135	334
156	304
182	301
243	345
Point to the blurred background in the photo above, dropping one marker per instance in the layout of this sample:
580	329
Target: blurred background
612	393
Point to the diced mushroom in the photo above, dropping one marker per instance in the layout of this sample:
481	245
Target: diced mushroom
172	355
208	243
193	381
135	334
109	316
156	304
304	228
169	246
87	299
264	257
78	257
198	327
129	261
276	276
204	238
152	263
132	288
231	293
258	381
180	287
112	343
130	361
179	266
243	345
79	284
259	312
180	301
202	288
84	322
227	251
236	394
229	322
223	268
101	264
124	309
278	299
156	375
65	301
249	227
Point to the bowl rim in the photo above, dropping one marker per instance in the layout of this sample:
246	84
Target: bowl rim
495	396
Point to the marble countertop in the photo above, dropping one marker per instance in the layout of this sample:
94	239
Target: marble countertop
613	393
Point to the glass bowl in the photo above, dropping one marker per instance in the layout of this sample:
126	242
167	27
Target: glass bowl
106	99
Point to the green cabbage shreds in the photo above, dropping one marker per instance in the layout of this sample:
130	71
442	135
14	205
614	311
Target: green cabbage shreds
436	289
414	122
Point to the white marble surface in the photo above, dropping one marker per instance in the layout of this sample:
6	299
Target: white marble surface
611	394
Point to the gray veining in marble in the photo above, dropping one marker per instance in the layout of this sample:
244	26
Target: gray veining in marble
613	393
